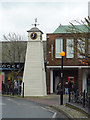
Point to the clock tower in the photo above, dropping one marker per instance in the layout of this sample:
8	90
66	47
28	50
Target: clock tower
34	72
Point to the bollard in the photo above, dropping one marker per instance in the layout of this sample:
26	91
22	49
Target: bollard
23	90
61	98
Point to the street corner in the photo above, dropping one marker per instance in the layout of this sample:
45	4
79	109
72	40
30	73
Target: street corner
69	112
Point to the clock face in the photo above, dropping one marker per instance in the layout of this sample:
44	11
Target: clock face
33	36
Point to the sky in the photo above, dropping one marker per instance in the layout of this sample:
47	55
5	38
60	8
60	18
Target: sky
17	16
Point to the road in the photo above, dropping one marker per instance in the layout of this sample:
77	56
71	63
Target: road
20	108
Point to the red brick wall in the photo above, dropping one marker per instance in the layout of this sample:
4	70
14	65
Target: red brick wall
57	61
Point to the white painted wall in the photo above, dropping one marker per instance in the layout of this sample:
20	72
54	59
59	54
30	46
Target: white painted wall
57	79
84	83
51	81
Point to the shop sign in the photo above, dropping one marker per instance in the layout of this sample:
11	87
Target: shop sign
7	65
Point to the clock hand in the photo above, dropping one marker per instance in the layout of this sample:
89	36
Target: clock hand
33	34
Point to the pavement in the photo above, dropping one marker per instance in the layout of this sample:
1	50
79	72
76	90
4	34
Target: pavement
53	101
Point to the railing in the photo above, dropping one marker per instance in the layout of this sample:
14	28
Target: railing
82	98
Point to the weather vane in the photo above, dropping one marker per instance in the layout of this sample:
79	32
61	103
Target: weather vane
35	22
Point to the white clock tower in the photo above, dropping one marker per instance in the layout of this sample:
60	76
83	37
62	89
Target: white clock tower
34	72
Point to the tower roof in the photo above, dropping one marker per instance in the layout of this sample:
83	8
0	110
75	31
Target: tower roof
34	29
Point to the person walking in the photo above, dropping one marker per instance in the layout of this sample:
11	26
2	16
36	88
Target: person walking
70	89
3	88
66	88
75	88
15	87
58	88
70	85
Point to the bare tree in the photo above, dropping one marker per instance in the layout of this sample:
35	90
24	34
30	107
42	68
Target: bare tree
14	52
81	36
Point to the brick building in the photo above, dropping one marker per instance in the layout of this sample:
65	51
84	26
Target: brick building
60	41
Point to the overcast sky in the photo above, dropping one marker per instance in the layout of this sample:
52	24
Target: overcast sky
18	16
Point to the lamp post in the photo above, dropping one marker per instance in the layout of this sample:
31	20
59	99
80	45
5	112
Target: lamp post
61	93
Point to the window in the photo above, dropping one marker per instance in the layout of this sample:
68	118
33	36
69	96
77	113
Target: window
69	48
81	48
89	47
58	47
52	51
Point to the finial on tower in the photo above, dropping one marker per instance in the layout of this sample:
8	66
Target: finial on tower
35	22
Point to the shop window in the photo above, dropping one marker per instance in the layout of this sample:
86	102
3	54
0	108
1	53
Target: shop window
89	47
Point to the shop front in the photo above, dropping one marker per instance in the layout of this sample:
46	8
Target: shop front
55	77
79	75
11	72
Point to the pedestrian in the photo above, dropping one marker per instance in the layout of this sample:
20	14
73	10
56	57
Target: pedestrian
7	87
15	87
75	88
58	88
11	88
66	88
3	88
71	85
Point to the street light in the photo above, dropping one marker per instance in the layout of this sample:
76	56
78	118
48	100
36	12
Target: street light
61	93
